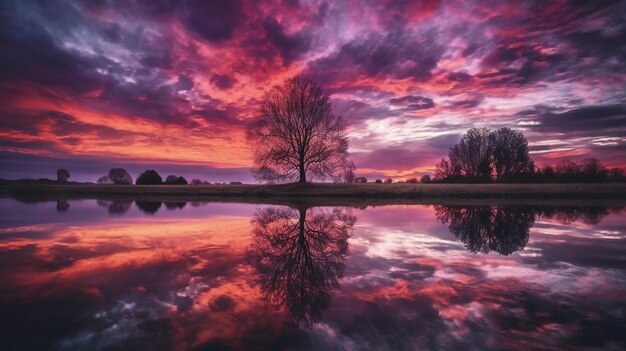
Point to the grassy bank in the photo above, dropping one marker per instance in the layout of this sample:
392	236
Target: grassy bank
387	193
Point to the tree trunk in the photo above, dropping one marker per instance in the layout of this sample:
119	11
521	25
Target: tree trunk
302	174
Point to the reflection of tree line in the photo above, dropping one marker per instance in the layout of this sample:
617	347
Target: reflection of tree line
299	254
505	229
118	207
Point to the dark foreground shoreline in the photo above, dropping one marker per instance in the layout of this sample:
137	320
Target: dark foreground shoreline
330	194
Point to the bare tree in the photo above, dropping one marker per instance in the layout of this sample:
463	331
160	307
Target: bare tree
297	136
510	153
472	154
444	170
63	175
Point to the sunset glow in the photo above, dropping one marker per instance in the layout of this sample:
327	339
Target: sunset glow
172	85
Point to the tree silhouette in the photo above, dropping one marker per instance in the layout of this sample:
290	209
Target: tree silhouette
115	207
297	137
299	256
510	153
484	229
63	175
120	176
175	180
148	207
104	180
149	177
472	154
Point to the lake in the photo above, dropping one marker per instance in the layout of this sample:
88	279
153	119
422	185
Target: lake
117	275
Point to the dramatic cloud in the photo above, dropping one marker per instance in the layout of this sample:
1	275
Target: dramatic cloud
175	82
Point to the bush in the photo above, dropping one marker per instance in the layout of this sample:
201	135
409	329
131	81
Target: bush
196	181
235	183
411	181
425	179
378	181
388	181
149	177
360	180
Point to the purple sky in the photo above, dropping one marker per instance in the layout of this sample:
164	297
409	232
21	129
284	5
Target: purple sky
170	86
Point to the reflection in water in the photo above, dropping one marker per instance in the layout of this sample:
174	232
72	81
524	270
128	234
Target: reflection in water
485	228
175	205
299	254
587	214
505	229
62	205
115	207
199	279
148	207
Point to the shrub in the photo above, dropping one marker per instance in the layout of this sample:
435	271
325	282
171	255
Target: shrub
388	181
149	177
425	179
378	181
411	181
360	180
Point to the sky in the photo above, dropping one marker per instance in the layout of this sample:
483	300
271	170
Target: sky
171	86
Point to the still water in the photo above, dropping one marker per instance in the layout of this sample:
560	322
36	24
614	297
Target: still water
102	275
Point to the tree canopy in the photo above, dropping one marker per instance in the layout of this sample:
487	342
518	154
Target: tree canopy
120	176
297	137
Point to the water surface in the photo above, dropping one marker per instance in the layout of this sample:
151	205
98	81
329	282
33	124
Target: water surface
104	275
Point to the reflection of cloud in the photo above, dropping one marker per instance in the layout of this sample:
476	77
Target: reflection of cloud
186	283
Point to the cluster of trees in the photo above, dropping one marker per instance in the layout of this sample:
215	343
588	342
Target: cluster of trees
116	176
148	177
587	170
481	154
502	155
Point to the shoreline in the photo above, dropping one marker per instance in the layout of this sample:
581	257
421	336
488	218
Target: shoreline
330	194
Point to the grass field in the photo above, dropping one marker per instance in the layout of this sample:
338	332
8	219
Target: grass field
370	193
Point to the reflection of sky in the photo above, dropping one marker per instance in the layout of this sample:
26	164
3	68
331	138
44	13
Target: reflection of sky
180	279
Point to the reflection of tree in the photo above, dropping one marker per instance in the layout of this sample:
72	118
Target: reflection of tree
585	214
62	205
299	255
149	207
175	205
484	228
115	207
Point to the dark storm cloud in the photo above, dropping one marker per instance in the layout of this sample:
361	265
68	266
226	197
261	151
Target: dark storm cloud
586	120
395	54
214	21
162	60
290	47
413	102
29	52
223	81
